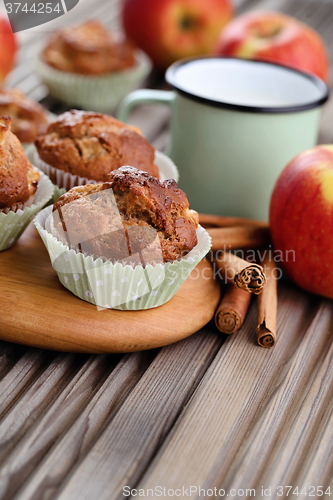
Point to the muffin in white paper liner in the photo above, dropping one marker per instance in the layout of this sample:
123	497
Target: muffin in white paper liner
94	93
167	170
12	224
118	286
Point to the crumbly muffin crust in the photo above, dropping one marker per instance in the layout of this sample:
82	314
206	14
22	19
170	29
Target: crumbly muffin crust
125	215
29	119
18	180
88	49
91	145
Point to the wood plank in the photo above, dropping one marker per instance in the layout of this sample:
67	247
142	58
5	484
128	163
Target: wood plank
59	370
151	120
18	379
279	448
9	356
232	396
77	430
125	448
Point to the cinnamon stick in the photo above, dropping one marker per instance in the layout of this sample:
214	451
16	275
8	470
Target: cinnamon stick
247	276
221	221
267	305
230	238
230	314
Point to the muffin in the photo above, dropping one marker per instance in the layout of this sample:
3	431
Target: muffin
128	243
88	49
129	213
23	190
89	146
18	180
87	67
29	119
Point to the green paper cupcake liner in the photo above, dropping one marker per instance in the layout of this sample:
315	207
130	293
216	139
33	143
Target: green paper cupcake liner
94	93
13	224
57	192
118	286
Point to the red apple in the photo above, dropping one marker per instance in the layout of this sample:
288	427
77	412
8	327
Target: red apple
8	48
278	38
168	30
301	218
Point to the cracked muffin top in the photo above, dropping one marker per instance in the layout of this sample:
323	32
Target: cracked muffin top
88	49
132	214
29	119
18	180
91	145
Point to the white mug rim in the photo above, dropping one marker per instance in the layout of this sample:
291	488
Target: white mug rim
320	84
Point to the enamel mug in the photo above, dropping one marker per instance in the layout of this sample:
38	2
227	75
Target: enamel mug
235	124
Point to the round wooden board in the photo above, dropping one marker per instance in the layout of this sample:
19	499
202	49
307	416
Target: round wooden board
37	310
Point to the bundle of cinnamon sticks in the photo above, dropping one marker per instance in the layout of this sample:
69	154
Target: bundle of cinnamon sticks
242	278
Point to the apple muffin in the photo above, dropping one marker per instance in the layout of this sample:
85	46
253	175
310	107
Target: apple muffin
88	49
91	145
132	213
29	119
18	179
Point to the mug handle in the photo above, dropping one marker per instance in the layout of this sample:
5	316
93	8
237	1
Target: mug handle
144	96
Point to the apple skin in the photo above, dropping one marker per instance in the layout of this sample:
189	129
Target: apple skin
275	37
8	47
168	30
301	219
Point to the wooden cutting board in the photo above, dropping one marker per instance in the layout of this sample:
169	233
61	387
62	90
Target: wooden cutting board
37	310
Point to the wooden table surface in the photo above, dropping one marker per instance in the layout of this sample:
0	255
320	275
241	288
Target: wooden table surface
210	411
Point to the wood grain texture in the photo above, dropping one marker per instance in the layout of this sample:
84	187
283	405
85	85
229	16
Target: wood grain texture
104	389
123	451
32	293
21	376
230	399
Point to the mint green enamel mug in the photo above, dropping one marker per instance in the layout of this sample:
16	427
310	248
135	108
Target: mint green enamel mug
235	124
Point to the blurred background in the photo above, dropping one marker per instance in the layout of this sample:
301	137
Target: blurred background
153	120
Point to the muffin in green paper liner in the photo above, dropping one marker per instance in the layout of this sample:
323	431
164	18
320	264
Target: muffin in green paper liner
89	67
118	286
24	190
12	224
98	93
125	244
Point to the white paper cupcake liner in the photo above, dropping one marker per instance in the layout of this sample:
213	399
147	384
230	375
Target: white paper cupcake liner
19	206
94	93
62	179
13	223
118	286
167	170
